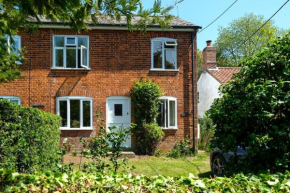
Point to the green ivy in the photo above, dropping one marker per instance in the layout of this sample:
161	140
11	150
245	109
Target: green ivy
255	109
29	138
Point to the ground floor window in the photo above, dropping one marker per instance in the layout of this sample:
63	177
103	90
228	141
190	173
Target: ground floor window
76	112
13	99
167	118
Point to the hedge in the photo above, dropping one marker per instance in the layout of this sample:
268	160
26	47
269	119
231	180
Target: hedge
11	181
29	138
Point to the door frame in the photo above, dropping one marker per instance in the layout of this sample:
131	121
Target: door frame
107	112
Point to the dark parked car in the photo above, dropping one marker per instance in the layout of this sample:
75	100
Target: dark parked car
218	160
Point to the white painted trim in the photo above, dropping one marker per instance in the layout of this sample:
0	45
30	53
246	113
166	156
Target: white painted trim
163	40
167	70
170	98
7	97
81	99
180	29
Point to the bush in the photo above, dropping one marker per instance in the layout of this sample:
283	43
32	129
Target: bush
181	149
81	182
255	108
29	138
206	133
145	98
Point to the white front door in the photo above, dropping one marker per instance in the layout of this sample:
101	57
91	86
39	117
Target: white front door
119	114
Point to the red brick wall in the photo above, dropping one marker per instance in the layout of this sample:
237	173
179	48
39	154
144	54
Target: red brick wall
117	59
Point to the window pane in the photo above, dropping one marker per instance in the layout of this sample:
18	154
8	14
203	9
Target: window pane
170	58
118	109
75	113
59	58
82	42
71	58
15	47
162	114
172	115
59	41
157	54
14	101
71	41
86	113
85	57
63	112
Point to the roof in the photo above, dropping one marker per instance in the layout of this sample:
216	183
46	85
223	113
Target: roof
108	21
223	74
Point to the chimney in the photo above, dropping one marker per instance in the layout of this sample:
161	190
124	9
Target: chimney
209	56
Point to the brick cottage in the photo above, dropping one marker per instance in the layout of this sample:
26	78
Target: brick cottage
76	74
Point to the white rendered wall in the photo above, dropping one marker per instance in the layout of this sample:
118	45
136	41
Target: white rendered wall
207	86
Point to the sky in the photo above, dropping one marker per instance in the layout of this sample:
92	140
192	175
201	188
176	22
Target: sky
203	12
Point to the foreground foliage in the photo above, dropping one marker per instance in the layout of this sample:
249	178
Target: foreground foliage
29	138
255	109
81	182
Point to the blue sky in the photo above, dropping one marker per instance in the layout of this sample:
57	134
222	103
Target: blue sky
203	12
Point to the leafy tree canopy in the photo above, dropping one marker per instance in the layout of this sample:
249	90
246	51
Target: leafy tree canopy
75	13
255	109
237	32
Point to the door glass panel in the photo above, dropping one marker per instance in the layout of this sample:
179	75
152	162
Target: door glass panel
86	113
157	54
71	58
118	109
59	58
63	112
172	113
75	113
162	114
170	58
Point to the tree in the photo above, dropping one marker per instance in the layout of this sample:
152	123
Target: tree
75	13
199	62
232	37
255	109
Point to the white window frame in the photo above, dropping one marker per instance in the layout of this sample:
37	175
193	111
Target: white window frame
164	42
81	99
64	52
15	37
9	98
167	118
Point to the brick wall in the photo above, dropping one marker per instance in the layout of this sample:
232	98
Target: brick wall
117	59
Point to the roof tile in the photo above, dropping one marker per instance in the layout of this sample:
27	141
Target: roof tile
224	74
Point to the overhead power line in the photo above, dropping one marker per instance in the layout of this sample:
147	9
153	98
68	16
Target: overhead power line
176	3
218	16
261	26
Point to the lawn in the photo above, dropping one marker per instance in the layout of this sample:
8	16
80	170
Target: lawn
150	165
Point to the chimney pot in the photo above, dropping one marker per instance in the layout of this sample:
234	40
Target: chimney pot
208	43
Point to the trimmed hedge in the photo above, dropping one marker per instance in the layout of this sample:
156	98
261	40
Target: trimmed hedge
81	182
29	138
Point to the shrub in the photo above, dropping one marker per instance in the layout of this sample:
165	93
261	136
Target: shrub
145	98
29	138
255	108
206	133
117	183
181	149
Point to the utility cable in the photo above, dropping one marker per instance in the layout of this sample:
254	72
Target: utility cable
218	16
261	26
178	2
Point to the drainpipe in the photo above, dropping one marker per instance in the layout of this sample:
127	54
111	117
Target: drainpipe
193	34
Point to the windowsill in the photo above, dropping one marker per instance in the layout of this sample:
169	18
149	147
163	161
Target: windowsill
167	70
76	129
169	128
82	69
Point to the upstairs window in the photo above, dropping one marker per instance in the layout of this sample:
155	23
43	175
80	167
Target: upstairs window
71	52
167	118
164	54
76	112
13	99
14	45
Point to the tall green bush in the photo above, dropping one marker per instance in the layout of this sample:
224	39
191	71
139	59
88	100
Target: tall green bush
255	109
29	138
206	132
145	98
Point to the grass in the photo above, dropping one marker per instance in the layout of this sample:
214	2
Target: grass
150	165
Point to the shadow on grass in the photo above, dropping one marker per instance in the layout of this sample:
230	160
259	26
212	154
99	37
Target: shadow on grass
205	175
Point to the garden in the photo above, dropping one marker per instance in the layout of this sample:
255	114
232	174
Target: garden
252	114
